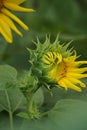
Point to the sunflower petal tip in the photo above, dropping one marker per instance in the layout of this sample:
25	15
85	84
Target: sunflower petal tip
10	42
32	10
79	90
21	35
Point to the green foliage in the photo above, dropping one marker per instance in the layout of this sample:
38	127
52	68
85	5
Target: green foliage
65	115
11	99
7	74
38	97
8	80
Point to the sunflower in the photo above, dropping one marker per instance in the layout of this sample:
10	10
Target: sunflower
56	65
66	72
7	18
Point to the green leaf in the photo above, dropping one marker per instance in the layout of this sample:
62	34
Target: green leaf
43	124
23	115
11	99
70	114
7	73
66	115
25	124
38	97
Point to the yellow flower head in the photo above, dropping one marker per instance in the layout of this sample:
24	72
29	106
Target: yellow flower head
53	64
7	18
66	72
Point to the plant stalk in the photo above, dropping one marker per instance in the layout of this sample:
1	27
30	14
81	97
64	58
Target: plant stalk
11	120
9	110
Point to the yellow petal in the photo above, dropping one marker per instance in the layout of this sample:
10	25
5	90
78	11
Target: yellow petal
70	59
80	62
62	84
8	13
5	31
71	85
11	24
76	75
15	7
76	81
16	1
77	70
46	61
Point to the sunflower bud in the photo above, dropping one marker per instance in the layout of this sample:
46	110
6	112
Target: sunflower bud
55	64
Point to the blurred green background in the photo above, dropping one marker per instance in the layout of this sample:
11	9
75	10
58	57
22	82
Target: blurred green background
69	17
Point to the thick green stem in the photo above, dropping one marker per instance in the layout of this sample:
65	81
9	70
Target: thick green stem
29	97
29	102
